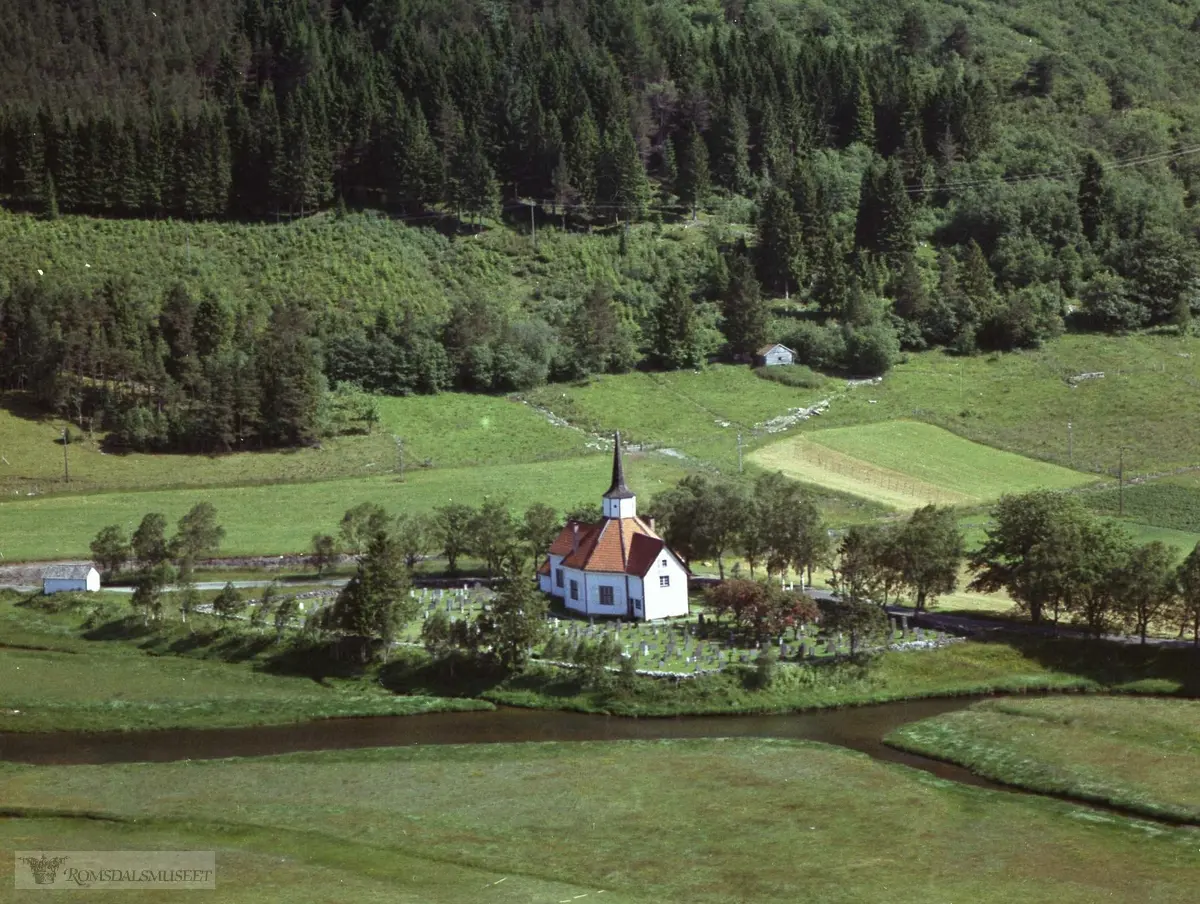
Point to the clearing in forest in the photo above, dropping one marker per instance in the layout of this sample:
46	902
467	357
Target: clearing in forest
907	464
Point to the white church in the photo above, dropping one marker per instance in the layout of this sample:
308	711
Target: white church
618	567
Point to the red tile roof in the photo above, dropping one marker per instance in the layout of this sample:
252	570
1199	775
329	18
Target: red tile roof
642	553
544	568
615	545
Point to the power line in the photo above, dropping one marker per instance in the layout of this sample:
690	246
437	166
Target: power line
1160	157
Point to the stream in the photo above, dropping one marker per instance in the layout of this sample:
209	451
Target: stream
860	728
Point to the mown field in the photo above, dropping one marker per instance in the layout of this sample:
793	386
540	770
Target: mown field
283	518
1140	754
694	821
908	464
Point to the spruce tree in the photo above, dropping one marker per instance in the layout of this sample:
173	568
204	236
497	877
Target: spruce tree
693	182
1091	198
621	182
780	251
910	300
863	127
376	603
731	152
745	311
583	154
676	330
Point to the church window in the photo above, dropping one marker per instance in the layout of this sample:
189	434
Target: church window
574	590
606	596
558	577
664	580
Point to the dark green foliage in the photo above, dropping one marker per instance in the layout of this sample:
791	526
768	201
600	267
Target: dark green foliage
376	603
780	251
745	311
198	534
110	549
678	341
149	541
228	603
270	111
858	622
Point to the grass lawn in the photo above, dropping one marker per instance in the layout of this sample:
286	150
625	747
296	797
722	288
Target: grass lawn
283	518
52	678
1142	754
908	464
665	821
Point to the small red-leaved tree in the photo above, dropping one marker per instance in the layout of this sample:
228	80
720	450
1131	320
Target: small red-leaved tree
760	610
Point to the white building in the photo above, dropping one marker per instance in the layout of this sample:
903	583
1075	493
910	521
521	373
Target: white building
774	355
60	578
619	567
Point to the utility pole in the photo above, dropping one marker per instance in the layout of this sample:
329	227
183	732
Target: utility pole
532	221
739	453
66	466
1121	484
1070	446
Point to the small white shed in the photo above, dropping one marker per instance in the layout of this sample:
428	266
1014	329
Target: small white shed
61	578
773	355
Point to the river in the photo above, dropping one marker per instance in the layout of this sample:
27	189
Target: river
859	728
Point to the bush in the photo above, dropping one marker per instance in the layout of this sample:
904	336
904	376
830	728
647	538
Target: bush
797	375
822	347
871	350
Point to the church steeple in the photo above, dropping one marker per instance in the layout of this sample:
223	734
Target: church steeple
619	501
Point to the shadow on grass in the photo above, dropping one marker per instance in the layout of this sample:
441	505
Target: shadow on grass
1168	670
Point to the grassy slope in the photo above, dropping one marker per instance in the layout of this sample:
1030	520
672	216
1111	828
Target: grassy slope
1140	754
908	463
1022	403
694	821
51	678
283	518
450	430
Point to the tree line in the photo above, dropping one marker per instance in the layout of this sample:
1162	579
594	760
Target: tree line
854	153
192	375
1058	561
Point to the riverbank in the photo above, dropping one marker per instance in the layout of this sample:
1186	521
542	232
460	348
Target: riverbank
97	668
1142	756
639	821
59	672
1003	664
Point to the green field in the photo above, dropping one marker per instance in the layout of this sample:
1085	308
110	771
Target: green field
669	821
908	463
1022	402
1140	754
283	518
878	441
700	412
53	678
445	431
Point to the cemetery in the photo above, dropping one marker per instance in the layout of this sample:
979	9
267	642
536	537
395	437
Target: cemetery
682	647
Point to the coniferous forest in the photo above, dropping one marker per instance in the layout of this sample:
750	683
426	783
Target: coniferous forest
912	177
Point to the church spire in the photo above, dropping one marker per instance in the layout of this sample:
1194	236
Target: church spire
618	490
